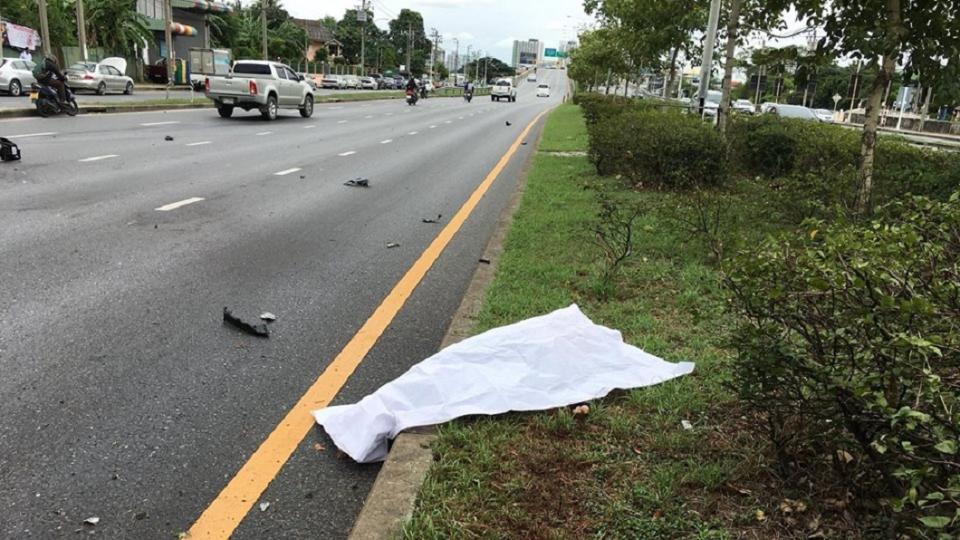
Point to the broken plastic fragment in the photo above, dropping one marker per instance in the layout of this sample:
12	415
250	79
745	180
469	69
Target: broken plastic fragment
686	424
357	182
91	520
267	316
429	220
259	330
264	506
392	245
168	138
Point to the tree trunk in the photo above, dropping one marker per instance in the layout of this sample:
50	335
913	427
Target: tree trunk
723	115
606	90
926	108
673	72
894	29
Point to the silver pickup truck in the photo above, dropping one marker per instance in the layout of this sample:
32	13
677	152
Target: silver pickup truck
265	86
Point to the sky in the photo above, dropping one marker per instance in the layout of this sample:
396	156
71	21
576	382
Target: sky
487	25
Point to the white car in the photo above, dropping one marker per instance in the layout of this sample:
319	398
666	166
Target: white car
743	106
15	76
100	77
543	90
710	106
368	83
503	89
825	116
532	78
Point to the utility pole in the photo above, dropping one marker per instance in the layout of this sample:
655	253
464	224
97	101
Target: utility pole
466	73
706	66
486	63
44	27
168	37
263	28
456	60
433	51
410	49
82	30
362	18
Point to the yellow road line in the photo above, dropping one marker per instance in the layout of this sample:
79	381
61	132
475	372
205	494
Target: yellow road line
225	513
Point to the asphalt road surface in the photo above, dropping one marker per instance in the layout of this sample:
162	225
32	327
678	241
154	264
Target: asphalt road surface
123	396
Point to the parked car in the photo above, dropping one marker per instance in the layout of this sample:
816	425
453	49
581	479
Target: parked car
503	89
766	106
105	76
308	78
261	85
351	81
744	106
532	77
387	83
376	78
15	75
793	111
399	82
330	81
825	115
543	90
368	83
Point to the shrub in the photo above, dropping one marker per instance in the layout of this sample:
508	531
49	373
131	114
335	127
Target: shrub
771	147
849	345
597	107
659	149
901	169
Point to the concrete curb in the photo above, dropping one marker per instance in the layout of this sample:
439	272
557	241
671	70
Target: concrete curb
392	498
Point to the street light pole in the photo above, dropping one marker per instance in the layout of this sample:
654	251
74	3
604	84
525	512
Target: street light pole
706	65
362	17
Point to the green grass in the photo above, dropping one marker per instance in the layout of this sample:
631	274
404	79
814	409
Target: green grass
628	469
565	131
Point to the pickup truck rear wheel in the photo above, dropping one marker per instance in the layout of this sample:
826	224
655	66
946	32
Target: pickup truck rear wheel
226	111
269	110
307	110
493	98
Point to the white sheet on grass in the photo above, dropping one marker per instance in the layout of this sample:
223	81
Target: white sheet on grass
549	361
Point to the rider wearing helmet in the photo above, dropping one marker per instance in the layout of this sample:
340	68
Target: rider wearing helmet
48	73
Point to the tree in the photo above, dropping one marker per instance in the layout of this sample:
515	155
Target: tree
410	23
349	31
882	32
116	26
440	71
598	57
495	69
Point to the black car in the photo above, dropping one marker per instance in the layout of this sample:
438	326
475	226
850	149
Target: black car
387	83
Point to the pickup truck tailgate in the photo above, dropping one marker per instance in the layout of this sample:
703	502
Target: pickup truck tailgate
233	86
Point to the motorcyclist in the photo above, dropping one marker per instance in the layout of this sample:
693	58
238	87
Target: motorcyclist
412	85
48	73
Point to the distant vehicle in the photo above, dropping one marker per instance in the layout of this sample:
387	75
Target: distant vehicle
766	106
205	62
15	75
330	81
743	106
503	89
308	78
368	83
105	76
261	85
532	77
543	90
794	111
351	81
825	115
710	106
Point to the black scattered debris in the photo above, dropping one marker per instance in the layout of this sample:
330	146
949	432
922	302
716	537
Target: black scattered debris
303	177
484	260
357	182
259	330
428	220
392	245
508	123
140	516
524	143
8	150
155	225
168	138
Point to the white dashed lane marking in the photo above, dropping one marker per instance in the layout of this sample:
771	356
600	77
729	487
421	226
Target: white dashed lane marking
345	154
28	135
201	143
288	171
388	141
98	158
262	133
178	204
149	124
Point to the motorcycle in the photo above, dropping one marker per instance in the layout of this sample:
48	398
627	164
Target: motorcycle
47	103
468	96
412	97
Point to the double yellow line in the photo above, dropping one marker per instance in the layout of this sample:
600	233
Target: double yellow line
225	513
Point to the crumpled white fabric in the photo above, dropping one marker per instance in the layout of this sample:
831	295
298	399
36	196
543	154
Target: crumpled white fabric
549	361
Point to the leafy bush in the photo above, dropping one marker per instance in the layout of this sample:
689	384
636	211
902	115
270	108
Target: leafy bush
901	168
849	345
659	149
770	146
597	107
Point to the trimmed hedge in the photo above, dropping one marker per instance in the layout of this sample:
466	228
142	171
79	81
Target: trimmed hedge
793	150
658	149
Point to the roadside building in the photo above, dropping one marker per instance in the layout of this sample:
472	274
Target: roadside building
527	53
320	37
190	26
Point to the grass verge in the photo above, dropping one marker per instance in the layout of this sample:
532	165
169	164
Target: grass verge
633	467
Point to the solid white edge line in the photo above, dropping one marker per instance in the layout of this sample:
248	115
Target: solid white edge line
97	158
178	204
264	133
413	133
288	171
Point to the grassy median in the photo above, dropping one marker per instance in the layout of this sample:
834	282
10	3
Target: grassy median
670	461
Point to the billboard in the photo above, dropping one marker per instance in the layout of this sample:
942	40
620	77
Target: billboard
528	58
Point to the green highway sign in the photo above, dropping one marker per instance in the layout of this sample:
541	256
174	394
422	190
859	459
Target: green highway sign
550	53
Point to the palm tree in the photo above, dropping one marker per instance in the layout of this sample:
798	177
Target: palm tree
116	26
